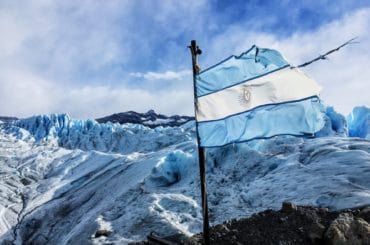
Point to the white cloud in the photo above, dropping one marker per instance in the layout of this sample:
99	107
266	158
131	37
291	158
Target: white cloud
28	95
47	43
167	75
62	40
98	101
344	76
70	56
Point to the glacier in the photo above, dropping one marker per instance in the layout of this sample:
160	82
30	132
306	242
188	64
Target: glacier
107	137
62	179
359	121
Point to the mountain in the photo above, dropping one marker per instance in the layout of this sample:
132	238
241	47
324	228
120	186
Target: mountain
149	119
7	119
67	181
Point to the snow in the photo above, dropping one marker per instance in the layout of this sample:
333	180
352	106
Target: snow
359	122
64	179
158	121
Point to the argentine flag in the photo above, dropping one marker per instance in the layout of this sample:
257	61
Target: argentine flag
256	95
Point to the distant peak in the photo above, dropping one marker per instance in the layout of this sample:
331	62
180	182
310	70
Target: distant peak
151	111
150	119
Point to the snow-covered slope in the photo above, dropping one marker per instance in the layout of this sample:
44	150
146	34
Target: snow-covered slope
62	180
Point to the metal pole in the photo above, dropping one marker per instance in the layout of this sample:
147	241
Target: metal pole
201	151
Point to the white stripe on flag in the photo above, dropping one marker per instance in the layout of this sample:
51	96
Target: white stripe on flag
288	84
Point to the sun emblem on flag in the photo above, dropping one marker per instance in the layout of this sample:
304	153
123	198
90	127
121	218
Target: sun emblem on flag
245	95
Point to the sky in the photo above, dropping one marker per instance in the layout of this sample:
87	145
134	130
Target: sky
95	58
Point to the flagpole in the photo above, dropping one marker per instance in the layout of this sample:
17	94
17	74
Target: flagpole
201	151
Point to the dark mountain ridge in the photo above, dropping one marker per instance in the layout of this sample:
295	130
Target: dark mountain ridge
7	119
150	119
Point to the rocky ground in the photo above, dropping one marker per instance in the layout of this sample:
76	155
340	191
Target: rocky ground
290	225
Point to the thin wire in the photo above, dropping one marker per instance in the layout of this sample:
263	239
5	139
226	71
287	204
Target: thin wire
324	56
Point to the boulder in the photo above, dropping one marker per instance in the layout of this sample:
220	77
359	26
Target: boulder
365	214
347	229
288	207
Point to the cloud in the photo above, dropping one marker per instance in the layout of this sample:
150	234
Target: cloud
344	76
66	41
167	75
77	57
23	94
91	59
29	95
105	100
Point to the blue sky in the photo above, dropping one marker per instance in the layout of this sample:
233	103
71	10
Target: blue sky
93	58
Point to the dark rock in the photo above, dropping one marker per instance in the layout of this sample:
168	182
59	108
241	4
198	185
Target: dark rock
347	229
323	210
7	119
25	181
300	225
365	214
288	207
102	232
316	233
149	119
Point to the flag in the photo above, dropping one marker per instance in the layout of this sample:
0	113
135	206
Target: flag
256	95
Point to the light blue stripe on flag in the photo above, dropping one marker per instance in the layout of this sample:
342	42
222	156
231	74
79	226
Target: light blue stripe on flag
236	69
299	118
